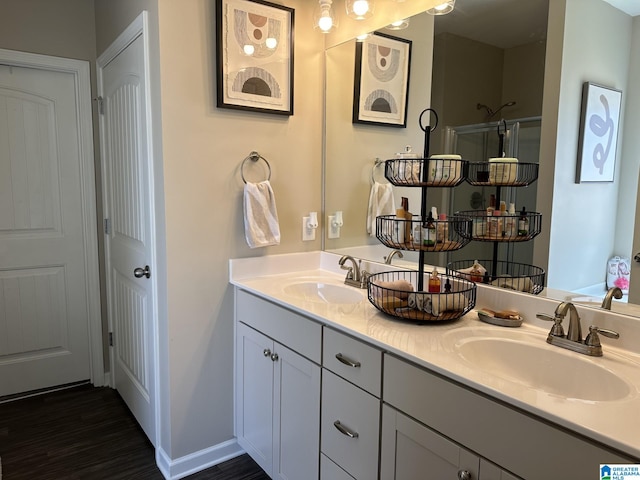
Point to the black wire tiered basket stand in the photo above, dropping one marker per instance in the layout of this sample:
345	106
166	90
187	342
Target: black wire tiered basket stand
521	277
504	228
402	294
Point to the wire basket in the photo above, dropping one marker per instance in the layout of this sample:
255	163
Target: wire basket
418	235
512	174
503	228
441	172
394	293
521	277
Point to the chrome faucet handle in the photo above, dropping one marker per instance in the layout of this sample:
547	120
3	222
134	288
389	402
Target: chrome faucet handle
593	340
556	330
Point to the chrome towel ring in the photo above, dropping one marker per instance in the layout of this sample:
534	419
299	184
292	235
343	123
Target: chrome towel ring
254	156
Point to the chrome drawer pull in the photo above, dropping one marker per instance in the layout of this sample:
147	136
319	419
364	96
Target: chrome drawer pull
342	359
344	430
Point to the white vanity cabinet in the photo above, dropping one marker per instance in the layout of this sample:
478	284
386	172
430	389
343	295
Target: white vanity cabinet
278	388
350	420
519	443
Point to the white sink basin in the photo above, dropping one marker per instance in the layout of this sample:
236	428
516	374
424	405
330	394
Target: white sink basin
558	372
321	292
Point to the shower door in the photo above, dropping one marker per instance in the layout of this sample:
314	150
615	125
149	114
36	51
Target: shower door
478	143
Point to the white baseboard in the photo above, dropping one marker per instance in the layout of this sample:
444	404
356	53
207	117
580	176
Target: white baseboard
198	461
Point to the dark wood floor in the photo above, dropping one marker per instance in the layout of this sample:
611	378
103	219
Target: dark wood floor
87	433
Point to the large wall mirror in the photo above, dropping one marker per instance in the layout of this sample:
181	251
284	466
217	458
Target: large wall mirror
488	64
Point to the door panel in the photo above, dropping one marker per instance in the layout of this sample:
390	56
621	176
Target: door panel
44	318
127	166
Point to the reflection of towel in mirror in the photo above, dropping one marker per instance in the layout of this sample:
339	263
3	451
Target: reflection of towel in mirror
261	226
435	304
381	202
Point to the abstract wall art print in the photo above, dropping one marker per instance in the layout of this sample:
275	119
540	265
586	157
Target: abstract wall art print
599	123
254	56
381	84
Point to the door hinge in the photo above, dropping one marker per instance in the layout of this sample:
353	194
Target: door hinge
111	339
100	101
107	226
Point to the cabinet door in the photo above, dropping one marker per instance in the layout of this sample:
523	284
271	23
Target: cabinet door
411	451
296	417
254	395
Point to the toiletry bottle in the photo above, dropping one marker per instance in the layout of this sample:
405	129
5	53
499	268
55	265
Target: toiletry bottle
502	221
447	286
429	232
407	220
442	233
398	234
523	223
511	222
434	282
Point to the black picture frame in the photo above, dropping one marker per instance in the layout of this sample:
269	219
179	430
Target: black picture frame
381	81
257	75
599	128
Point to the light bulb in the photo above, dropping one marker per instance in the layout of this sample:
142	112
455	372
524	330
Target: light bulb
271	43
248	49
360	7
325	23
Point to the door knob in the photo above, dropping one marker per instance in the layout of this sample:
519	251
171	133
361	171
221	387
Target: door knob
637	257
142	272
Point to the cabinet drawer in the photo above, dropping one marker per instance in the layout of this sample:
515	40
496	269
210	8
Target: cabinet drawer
297	332
361	363
330	471
346	406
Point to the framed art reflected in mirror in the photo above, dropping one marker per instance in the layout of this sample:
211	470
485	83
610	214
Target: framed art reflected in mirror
255	56
381	83
599	120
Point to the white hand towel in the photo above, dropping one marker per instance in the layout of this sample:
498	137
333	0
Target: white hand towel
261	226
381	202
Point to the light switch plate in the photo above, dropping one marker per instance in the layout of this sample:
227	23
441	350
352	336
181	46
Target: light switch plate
308	234
332	230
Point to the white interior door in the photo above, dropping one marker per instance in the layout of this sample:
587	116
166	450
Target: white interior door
129	244
46	266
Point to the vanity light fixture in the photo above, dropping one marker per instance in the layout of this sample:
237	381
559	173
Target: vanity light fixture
398	24
324	18
359	9
271	43
443	8
363	37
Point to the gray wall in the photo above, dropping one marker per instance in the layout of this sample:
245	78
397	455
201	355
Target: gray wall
595	41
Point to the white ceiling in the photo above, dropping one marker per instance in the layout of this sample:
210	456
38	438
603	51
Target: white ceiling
502	23
507	23
630	7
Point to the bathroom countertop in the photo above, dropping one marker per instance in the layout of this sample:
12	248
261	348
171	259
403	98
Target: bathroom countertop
613	422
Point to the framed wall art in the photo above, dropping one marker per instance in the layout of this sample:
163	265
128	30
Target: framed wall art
599	122
254	56
381	83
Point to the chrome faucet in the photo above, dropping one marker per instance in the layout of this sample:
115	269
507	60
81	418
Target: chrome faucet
388	258
573	339
355	276
613	292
